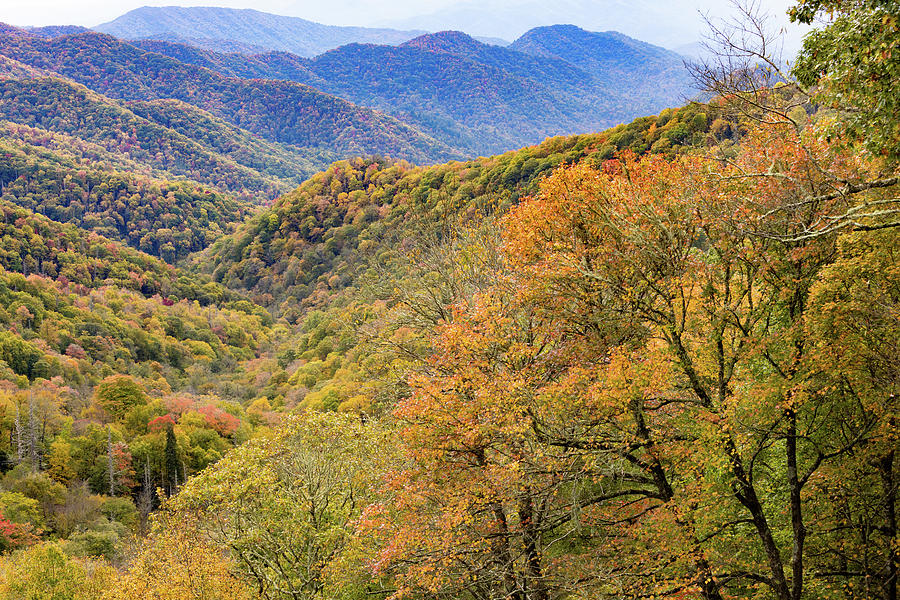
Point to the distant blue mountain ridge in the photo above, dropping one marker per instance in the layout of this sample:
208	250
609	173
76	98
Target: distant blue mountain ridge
475	96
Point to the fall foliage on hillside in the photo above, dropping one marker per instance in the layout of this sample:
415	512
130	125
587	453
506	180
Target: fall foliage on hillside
654	362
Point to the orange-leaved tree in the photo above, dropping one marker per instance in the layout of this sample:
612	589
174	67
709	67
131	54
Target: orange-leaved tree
691	282
482	507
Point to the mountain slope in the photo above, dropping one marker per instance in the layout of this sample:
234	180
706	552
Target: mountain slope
93	307
460	97
56	176
213	153
335	253
482	98
318	239
13	69
510	60
612	59
280	111
266	65
283	162
242	30
168	182
52	31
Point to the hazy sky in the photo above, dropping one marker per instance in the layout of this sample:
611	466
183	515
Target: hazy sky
649	17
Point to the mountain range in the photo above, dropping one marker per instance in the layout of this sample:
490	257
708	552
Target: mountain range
165	146
279	111
477	98
243	30
436	96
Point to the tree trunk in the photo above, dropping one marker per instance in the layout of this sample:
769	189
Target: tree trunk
799	529
503	556
746	495
534	573
889	491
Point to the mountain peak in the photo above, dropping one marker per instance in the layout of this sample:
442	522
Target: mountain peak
449	42
564	28
581	47
548	40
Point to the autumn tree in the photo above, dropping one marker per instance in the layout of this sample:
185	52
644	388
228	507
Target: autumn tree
855	339
45	571
117	394
481	507
173	564
695	293
851	65
283	505
841	81
15	535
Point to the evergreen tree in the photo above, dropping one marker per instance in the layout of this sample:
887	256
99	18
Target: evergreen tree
171	462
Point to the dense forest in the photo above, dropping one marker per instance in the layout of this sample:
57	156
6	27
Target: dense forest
278	111
165	219
480	97
314	240
212	158
656	361
161	176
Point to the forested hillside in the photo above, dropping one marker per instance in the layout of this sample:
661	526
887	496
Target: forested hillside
103	349
614	59
479	97
314	240
654	361
167	219
168	135
80	158
62	107
279	111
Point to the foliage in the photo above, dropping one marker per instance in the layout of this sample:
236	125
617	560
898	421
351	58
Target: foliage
854	63
117	395
329	255
172	565
278	111
482	508
284	504
286	163
20	509
34	244
643	400
613	365
166	220
14	535
45	572
81	334
311	242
